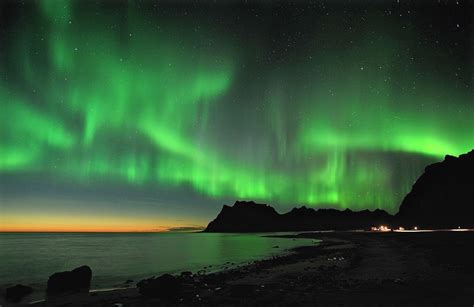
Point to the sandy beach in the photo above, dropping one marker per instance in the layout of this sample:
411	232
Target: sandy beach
348	268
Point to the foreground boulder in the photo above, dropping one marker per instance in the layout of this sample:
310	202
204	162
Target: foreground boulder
165	287
16	293
77	280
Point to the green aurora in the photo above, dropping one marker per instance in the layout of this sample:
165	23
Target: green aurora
97	96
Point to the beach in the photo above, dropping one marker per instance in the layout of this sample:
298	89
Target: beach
347	268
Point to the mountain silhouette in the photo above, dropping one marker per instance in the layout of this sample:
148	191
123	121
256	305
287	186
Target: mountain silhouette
248	216
443	196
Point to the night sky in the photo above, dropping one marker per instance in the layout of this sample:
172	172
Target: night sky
140	116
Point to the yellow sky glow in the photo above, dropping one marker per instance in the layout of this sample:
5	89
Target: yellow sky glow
12	222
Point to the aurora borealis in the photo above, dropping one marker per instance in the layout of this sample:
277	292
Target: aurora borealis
154	114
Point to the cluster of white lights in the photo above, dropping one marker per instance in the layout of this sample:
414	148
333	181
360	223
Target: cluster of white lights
386	228
380	228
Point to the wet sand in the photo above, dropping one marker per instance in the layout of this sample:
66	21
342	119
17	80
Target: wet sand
358	268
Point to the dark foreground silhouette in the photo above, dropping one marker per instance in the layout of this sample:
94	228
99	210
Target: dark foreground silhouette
443	197
59	284
77	280
14	294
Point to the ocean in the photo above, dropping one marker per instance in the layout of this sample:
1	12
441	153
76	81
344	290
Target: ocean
30	258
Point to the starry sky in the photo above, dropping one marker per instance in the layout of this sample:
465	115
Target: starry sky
147	116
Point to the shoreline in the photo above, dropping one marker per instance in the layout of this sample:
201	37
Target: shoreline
102	283
395	268
110	293
113	267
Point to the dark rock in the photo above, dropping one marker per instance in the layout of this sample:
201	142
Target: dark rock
77	280
165	286
15	294
129	281
443	196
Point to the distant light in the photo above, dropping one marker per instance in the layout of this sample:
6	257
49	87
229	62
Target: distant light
459	227
415	228
380	228
401	228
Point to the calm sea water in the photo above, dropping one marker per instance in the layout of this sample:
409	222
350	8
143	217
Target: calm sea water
30	258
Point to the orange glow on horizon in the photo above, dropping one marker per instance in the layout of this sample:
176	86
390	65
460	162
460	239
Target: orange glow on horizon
69	223
39	228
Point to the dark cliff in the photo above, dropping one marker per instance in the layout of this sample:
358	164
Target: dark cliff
443	196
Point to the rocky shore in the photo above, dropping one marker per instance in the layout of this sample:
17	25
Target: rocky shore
348	268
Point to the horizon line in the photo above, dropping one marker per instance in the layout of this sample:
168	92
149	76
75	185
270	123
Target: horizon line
92	231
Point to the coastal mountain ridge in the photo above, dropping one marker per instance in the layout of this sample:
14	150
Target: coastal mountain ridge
442	197
248	216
